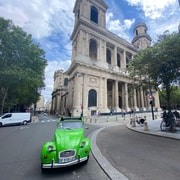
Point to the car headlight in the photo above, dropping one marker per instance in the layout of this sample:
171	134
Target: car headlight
50	148
83	144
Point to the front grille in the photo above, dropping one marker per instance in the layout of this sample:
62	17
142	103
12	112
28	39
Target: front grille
67	153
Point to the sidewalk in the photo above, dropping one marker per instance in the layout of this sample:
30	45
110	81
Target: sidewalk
154	129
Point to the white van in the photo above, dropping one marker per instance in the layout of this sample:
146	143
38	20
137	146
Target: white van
15	118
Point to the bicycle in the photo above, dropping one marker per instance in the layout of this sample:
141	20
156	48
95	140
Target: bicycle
166	122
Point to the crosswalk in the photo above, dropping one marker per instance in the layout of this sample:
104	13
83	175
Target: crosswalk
48	120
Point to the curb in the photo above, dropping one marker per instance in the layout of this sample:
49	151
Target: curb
109	170
157	133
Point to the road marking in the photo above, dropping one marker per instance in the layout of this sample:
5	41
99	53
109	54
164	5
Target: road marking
25	127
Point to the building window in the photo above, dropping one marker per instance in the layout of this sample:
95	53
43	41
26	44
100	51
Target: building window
108	56
92	98
93	49
94	14
118	60
128	59
78	13
136	32
66	82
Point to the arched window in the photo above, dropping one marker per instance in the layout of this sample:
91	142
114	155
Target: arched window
108	56
93	49
94	14
118	60
66	82
92	98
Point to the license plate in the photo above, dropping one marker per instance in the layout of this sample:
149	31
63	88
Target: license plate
66	159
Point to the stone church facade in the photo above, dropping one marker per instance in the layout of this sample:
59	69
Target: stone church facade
97	80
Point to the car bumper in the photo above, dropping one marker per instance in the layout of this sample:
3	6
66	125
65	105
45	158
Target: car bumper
58	165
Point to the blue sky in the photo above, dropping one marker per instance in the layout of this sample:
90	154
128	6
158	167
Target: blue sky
51	24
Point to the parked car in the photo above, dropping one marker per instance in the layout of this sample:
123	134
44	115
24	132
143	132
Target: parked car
15	118
68	147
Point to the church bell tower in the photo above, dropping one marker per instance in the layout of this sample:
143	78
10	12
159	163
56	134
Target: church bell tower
141	39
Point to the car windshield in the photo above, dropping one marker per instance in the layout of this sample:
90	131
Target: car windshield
70	125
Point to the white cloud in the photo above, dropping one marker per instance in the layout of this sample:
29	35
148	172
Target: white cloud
153	9
39	17
117	27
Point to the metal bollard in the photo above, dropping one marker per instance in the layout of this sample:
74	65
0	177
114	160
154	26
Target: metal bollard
90	120
130	121
133	123
95	120
146	126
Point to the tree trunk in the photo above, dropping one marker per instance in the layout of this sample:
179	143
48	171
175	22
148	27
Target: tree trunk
172	127
3	99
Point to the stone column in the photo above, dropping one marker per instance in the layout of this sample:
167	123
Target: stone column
105	95
113	95
135	100
126	96
123	65
100	94
58	101
98	51
115	56
85	94
78	92
116	92
157	103
138	99
79	41
87	45
103	51
142	98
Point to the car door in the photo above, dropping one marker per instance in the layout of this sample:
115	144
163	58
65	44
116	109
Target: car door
7	119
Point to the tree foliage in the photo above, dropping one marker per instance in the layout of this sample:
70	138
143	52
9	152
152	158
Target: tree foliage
175	98
22	65
159	65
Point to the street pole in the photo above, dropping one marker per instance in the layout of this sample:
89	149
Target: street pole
152	111
151	101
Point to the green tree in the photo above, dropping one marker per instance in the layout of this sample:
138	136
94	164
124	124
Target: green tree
22	65
175	96
159	65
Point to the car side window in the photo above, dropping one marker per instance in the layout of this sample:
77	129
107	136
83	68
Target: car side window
7	116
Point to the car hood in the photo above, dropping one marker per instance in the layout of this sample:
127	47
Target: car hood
68	139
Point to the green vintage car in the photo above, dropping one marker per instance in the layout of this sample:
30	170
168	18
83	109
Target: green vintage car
68	147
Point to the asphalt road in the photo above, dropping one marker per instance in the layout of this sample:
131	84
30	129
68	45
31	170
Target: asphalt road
140	156
20	148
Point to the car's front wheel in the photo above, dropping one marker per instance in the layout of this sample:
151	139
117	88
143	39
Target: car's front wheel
42	169
1	125
86	161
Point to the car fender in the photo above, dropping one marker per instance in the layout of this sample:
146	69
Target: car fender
85	150
51	155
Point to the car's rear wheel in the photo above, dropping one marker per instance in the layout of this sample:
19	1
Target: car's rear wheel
1	125
24	122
